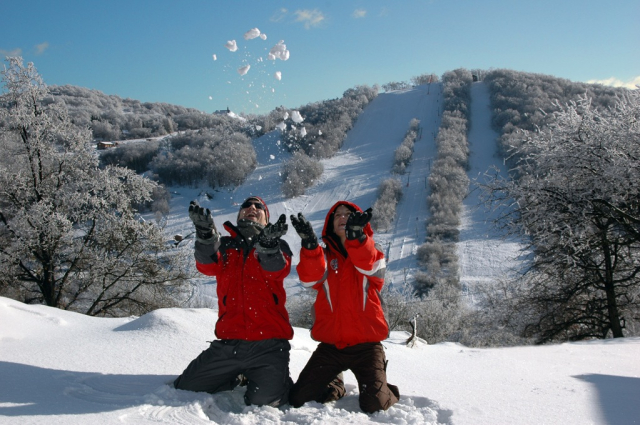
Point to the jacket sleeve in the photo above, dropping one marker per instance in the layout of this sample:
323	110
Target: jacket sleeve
368	259
312	268
207	258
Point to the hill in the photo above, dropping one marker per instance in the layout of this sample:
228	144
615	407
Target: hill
354	173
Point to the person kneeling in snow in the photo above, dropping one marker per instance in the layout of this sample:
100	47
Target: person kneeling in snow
348	275
253	324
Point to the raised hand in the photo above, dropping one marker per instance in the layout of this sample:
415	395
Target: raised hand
269	238
309	240
356	224
206	232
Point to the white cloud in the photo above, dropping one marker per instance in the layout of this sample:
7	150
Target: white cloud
40	48
279	15
616	82
359	13
14	52
310	18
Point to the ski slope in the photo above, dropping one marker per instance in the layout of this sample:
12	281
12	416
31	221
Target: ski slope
354	174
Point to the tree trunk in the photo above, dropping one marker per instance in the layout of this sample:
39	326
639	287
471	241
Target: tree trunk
610	290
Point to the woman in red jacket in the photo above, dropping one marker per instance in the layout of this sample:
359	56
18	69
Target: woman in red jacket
253	327
348	275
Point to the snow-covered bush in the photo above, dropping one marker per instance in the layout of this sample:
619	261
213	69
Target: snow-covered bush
384	209
299	173
448	184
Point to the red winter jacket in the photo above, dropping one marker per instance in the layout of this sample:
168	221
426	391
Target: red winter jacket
348	308
251	300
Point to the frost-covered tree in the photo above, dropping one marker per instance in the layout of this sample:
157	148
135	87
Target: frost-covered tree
69	236
575	191
299	172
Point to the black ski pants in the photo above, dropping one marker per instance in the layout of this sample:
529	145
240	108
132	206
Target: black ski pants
367	362
265	365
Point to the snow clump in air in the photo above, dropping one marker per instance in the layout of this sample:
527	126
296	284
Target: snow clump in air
251	34
244	69
278	75
279	51
231	45
296	117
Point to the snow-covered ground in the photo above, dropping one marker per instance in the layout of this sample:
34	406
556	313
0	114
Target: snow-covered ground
64	368
59	367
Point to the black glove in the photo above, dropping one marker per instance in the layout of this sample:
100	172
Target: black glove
206	232
356	223
309	240
269	238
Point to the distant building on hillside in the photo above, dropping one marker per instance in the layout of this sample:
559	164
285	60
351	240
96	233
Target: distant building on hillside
107	145
222	111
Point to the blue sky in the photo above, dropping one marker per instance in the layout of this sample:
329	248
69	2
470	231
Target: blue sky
162	50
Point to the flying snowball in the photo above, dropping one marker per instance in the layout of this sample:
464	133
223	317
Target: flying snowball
251	34
282	126
296	117
279	51
244	69
272	156
263	36
210	98
231	45
215	58
278	75
286	115
303	132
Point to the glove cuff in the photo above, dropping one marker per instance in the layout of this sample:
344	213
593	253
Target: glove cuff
268	246
309	243
207	237
355	234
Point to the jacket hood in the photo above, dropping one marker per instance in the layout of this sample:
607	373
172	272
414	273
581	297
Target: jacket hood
328	235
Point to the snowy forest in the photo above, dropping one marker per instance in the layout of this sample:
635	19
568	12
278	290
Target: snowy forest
72	236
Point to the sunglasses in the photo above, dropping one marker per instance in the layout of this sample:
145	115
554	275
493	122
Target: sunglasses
258	205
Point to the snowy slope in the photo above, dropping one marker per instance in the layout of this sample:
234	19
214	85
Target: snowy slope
484	255
64	368
353	174
59	367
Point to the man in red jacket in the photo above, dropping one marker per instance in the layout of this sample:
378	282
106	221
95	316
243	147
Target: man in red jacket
348	275
253	327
